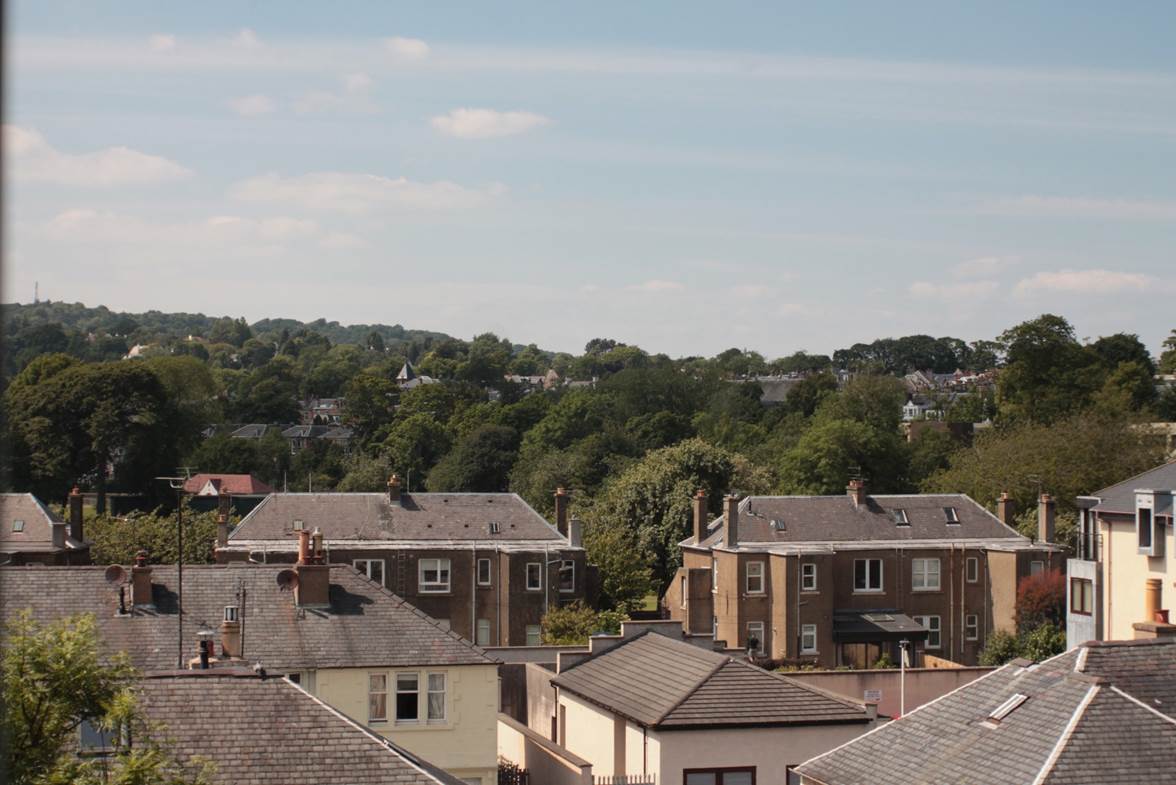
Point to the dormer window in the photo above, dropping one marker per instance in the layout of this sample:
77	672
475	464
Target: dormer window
950	514
900	516
18	525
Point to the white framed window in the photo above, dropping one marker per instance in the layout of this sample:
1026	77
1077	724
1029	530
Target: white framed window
483	572
483	633
808	639
372	568
436	697
755	633
867	575
408	693
1144	531
933	630
714	574
1036	567
567	576
534	576
18	525
755	577
682	589
434	575
808	576
534	635
971	627
377	697
972	569
924	574
715	627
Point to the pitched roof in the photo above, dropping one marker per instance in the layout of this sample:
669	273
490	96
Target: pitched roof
1120	497
27	525
794	520
1092	715
357	517
664	683
365	625
235	484
271	732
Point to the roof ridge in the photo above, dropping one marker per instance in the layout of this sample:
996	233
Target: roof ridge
1095	494
1067	732
698	685
1152	709
592	656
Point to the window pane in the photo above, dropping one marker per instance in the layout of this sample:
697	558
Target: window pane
376	571
701	778
859	574
737	778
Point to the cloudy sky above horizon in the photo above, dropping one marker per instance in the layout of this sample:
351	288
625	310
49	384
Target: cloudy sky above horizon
769	176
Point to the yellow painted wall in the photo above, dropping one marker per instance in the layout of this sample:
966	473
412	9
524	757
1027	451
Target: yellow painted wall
1002	577
465	745
589	734
1125	572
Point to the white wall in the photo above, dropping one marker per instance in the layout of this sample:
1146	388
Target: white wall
589	733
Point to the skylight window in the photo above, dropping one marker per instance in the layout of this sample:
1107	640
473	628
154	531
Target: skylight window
778	524
951	515
900	516
495	527
1006	708
18	525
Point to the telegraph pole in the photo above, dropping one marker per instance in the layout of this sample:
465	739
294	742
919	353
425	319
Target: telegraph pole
177	484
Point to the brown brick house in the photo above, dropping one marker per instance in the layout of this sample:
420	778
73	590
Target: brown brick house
31	533
487	564
840	580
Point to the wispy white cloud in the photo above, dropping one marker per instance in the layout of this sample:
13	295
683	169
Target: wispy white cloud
161	42
246	39
984	266
253	105
407	48
88	225
1081	207
972	290
357	82
1083	282
487	123
352	94
751	291
354	192
31	157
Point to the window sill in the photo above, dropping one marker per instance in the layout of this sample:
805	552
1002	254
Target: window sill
927	591
755	594
537	589
810	591
868	591
809	653
434	591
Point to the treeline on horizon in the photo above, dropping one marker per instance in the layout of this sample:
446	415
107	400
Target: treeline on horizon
633	446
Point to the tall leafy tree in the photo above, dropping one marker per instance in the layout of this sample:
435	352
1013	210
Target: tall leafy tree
1048	374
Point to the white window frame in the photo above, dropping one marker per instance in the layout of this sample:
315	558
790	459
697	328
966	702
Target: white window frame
900	516
808	576
18	524
935	630
1037	567
808	631
482	632
869	574
489	573
570	566
538	634
372	692
1143	504
434	565
758	635
972	569
714	574
971	627
682	589
365	567
431	691
759	566
538	585
921	574
417	692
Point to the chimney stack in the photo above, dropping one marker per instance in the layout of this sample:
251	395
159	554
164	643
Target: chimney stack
141	581
857	491
561	511
1152	594
75	514
58	528
230	632
700	515
222	530
1006	508
576	533
314	577
1045	518
731	521
394	490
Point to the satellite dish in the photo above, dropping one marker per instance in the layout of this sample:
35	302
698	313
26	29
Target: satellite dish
115	574
287	580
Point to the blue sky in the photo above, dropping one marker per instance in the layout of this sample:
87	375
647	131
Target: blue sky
680	176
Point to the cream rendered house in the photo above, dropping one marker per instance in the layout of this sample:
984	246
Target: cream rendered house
342	637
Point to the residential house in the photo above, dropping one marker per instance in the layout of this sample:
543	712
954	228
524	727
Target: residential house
839	581
258	728
485	563
344	638
1125	538
408	378
655	709
302	436
1101	713
322	411
231	484
31	533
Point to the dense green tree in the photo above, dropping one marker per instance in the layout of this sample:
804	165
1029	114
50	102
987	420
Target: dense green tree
1168	357
625	574
193	391
1113	350
234	331
414	446
369	405
479	462
807	394
117	540
365	474
833	450
1047	375
575	623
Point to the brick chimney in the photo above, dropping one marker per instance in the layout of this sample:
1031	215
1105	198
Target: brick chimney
230	632
856	489
1153	592
75	514
576	533
700	516
1045	518
141	581
58	529
731	521
314	577
561	511
394	490
1006	508
222	530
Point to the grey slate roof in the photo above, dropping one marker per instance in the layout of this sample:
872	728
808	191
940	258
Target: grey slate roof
271	732
365	625
664	683
1078	726
36	531
358	517
819	519
1120	497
